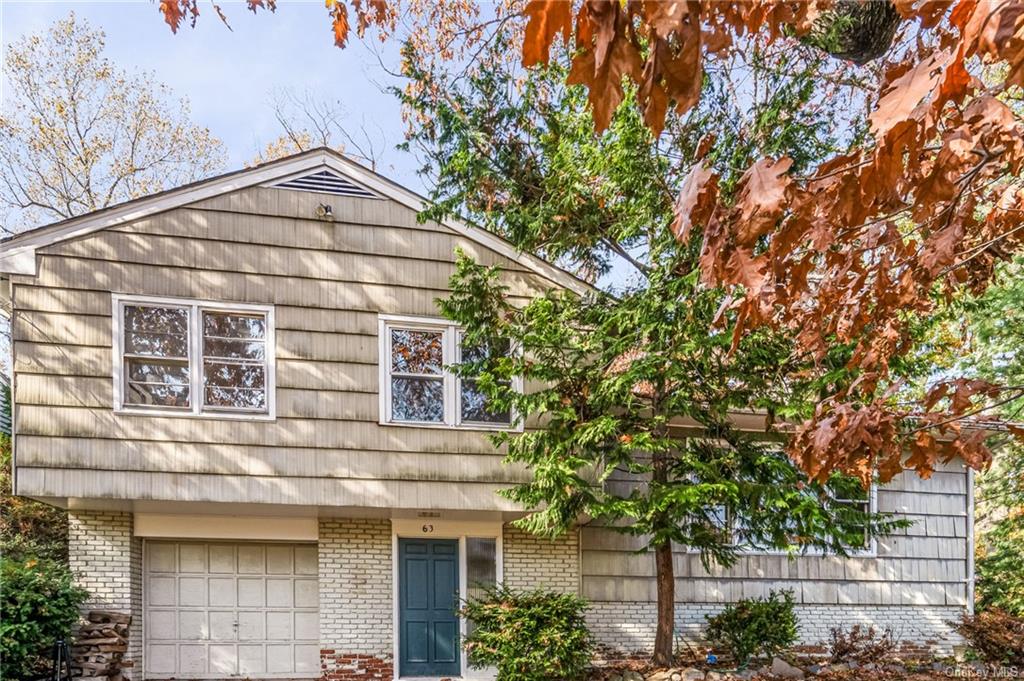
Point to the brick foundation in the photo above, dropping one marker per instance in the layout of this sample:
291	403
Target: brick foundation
106	559
623	628
355	600
335	666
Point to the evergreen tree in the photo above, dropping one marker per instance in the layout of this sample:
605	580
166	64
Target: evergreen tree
634	389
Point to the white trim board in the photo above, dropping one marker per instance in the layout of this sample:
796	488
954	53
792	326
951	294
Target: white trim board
232	528
17	254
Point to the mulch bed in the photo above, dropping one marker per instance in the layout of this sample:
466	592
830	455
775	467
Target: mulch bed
636	670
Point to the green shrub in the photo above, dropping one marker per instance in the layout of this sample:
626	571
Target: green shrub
528	635
1000	579
754	626
859	644
28	529
39	603
995	635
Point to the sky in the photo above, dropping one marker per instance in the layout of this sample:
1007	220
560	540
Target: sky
229	75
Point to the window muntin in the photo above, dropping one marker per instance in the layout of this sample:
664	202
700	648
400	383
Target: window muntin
193	358
416	386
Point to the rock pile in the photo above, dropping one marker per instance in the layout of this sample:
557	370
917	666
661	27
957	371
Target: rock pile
100	646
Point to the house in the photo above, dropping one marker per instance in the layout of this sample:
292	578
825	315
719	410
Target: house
237	389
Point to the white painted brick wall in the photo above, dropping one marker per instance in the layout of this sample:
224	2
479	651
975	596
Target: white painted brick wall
106	560
629	627
532	562
355	586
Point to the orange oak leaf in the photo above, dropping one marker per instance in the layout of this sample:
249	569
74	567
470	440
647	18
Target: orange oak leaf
697	198
664	16
762	198
905	93
339	20
174	12
602	68
547	18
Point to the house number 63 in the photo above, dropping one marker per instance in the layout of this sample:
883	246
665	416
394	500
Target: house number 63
427	529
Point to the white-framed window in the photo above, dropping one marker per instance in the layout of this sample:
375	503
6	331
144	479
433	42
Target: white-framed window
183	357
417	387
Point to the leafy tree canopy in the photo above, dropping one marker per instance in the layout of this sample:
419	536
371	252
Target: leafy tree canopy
78	134
636	390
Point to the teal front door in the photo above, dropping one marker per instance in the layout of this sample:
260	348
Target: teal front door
428	588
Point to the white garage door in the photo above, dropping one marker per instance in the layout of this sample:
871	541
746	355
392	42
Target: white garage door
214	610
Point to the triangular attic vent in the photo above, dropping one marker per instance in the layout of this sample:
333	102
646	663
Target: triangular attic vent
328	183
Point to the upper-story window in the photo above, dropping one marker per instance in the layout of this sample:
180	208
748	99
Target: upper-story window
417	388
186	357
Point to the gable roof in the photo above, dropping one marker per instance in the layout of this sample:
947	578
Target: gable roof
17	253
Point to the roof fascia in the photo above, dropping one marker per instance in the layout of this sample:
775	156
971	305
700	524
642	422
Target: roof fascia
17	255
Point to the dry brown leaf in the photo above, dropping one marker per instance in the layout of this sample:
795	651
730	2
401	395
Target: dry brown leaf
546	19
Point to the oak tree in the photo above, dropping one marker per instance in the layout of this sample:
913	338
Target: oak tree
78	134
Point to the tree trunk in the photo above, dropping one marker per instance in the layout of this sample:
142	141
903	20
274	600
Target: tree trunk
666	578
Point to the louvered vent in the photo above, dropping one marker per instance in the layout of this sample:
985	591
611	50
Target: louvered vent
328	183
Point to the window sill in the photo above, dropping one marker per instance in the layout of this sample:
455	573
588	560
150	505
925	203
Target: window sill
480	427
214	415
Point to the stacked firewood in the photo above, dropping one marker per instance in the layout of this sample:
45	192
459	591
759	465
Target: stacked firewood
100	646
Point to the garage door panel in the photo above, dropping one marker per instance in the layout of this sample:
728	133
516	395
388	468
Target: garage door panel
192	659
222	626
192	591
307	625
307	593
306	560
217	609
192	558
222	591
192	625
279	625
252	592
161	659
162	558
279	659
279	593
162	591
279	560
252	659
222	559
252	625
307	659
251	560
161	625
223	658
